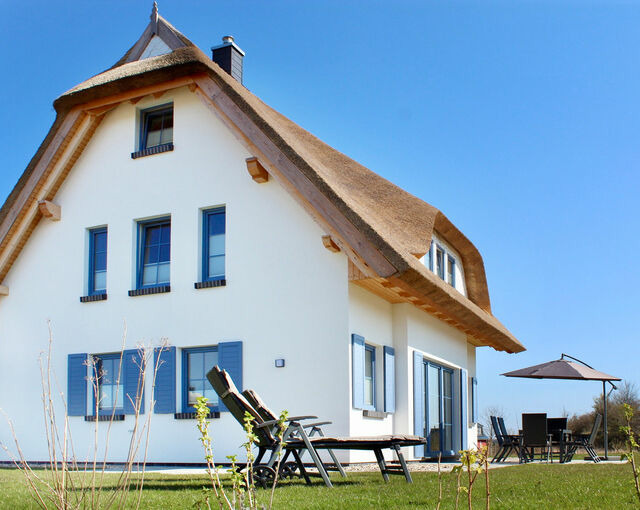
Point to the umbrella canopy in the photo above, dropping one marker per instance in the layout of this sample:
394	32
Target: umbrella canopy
562	369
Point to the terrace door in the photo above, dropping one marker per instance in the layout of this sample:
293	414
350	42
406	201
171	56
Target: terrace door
438	406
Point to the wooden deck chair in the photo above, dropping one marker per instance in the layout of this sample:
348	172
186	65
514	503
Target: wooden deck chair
296	437
314	428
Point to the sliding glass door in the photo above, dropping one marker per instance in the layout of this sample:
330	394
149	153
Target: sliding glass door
438	405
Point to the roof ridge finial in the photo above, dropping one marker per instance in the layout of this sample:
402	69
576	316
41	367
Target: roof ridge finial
154	17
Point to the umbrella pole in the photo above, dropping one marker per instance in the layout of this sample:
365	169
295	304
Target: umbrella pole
606	432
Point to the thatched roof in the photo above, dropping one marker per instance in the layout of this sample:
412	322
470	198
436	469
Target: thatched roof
398	224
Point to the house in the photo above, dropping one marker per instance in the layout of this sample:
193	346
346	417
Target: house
168	198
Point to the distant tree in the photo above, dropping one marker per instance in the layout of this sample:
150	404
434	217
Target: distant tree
627	392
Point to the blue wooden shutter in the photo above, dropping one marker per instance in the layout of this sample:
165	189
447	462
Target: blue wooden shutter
357	370
418	403
230	359
464	422
165	383
77	384
389	379
474	400
131	380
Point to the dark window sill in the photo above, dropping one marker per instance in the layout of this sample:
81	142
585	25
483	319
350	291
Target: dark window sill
105	417
166	147
160	289
210	283
192	416
94	297
379	415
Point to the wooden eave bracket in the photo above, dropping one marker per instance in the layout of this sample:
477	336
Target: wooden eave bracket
4	290
330	244
49	210
257	171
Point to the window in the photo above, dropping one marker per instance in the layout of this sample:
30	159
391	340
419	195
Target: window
196	363
451	271
97	261
440	262
429	259
156	127
369	377
213	244
154	253
110	386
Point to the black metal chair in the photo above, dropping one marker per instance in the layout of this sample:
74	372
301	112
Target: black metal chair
557	428
585	441
506	442
534	435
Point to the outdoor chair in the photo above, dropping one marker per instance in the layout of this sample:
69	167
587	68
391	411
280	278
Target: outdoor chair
557	429
534	435
511	441
504	449
585	441
312	429
295	437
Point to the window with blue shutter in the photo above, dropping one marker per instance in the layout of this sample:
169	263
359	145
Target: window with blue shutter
109	384
164	360
77	370
230	359
196	363
418	401
154	253
464	421
357	370
389	379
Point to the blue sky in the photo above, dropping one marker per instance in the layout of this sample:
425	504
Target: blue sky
519	120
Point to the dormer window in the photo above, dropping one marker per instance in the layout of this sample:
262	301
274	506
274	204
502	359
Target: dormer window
156	131
444	261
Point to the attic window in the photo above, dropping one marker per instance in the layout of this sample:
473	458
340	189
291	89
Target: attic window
156	131
444	262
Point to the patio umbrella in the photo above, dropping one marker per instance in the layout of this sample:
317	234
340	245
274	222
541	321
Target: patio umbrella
564	369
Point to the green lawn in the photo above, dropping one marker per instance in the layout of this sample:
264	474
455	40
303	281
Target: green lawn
535	486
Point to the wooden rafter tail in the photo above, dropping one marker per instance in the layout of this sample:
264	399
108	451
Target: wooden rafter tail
4	290
258	173
50	210
329	244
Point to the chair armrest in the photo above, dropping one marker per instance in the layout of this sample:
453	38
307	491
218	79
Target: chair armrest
269	423
316	424
300	418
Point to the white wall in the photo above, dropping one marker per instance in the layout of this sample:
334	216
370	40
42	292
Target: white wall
286	295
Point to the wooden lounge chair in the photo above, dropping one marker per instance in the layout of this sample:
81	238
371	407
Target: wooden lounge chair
297	439
314	428
585	441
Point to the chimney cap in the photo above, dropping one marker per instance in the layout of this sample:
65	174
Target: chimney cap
227	40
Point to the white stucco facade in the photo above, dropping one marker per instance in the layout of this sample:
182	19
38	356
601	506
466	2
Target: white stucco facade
286	296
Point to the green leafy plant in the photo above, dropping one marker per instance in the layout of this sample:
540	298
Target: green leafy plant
632	444
473	462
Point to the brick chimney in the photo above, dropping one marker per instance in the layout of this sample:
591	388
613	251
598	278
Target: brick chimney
229	56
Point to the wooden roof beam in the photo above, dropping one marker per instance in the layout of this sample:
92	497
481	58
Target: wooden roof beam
257	172
49	210
329	244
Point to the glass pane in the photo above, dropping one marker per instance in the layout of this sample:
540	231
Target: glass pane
368	363
448	437
167	136
163	273
153	235
446	378
216	266
105	397
165	253
153	138
440	262
166	234
216	224
150	275
119	396
100	241
211	394
434	407
216	245
196	389
368	391
196	365
100	280
100	261
210	360
151	255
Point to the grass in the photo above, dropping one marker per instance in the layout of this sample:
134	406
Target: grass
536	486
